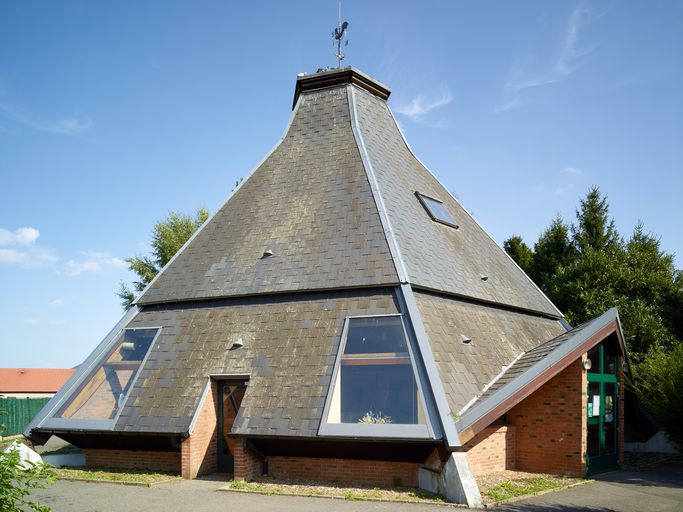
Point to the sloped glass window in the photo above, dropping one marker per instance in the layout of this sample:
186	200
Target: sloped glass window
104	391
436	209
375	381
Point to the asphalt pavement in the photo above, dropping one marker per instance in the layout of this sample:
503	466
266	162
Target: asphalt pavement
658	489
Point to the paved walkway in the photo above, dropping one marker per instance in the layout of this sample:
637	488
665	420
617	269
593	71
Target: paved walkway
656	490
653	490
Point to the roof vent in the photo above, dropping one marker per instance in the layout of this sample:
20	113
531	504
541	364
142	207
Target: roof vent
484	277
466	339
237	344
267	253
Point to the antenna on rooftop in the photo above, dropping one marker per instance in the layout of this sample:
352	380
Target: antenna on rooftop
339	35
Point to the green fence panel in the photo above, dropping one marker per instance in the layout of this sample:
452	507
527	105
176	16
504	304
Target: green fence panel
18	413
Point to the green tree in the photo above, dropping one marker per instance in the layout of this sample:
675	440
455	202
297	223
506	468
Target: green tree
586	268
168	236
658	381
520	252
594	229
552	252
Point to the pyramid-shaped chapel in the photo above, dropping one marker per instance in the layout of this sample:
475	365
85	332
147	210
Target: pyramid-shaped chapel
342	317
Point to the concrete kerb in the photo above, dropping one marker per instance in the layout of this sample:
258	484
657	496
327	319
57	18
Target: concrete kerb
119	482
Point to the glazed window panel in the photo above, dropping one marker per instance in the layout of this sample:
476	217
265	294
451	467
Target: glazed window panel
375	383
436	209
103	393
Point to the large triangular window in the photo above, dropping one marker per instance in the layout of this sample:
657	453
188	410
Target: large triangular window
373	390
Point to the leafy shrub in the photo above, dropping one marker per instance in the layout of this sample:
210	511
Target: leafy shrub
658	382
17	479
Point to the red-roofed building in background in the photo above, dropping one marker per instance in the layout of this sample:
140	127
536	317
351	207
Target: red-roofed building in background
32	382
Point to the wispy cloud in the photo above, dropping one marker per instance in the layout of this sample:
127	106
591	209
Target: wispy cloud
68	125
572	171
57	303
18	248
21	236
423	104
31	321
94	262
32	258
568	58
565	180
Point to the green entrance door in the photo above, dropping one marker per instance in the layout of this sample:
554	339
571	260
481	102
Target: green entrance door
230	394
602	414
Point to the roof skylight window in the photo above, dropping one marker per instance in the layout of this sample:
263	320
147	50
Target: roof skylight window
437	211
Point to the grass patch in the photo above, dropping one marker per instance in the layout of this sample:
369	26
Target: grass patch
269	485
123	476
241	485
513	489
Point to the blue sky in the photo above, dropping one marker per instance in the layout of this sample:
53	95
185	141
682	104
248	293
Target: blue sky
112	114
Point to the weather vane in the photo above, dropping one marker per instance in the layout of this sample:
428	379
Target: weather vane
339	35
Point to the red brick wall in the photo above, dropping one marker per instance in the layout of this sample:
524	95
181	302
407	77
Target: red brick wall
247	464
348	471
198	452
551	425
133	459
493	449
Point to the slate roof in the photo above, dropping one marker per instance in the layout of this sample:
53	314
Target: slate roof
530	358
335	203
290	345
309	202
535	367
498	337
436	256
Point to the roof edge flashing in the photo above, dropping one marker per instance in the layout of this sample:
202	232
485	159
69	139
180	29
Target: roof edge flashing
339	78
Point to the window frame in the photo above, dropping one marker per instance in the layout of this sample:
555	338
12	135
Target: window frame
423	201
52	421
384	431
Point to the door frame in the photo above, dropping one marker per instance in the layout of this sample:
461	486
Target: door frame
224	461
604	460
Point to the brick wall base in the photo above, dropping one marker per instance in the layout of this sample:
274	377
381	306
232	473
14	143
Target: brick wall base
492	449
345	471
551	425
199	451
133	459
247	464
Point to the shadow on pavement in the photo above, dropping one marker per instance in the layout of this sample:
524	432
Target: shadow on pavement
665	475
532	507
